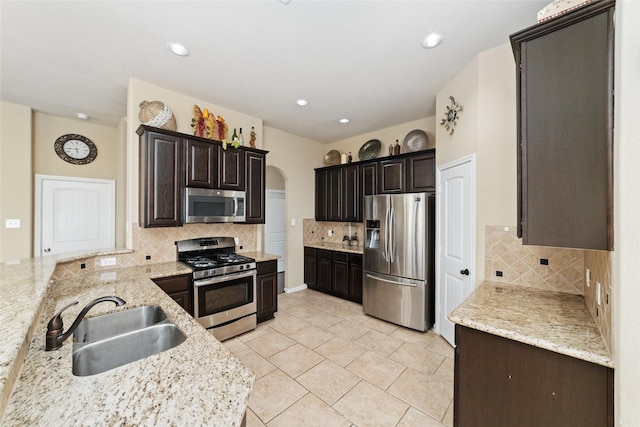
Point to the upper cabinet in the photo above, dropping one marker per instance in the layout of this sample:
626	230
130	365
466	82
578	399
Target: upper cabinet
171	161
340	189
161	179
565	129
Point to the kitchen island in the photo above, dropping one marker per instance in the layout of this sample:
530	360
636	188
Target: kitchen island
529	357
197	383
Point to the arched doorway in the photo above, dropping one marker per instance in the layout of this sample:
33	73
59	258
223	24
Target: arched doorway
275	226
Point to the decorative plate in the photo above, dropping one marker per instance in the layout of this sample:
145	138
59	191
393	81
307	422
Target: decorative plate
332	158
416	140
369	150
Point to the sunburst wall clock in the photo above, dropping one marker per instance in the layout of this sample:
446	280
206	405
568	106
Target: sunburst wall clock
451	115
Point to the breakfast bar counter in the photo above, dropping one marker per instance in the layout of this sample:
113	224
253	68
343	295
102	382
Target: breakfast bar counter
197	383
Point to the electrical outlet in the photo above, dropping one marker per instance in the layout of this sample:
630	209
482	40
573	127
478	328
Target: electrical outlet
598	298
544	261
106	262
498	273
330	233
12	223
588	278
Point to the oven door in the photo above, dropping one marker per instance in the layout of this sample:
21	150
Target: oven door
222	299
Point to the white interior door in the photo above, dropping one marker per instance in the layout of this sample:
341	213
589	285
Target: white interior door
275	226
73	214
456	240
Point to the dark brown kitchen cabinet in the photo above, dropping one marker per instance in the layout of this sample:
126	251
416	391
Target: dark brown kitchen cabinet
232	169
391	176
334	272
340	273
321	194
161	179
565	129
255	187
267	289
421	172
310	267
369	179
323	270
201	159
351	197
180	288
501	382
334	194
355	277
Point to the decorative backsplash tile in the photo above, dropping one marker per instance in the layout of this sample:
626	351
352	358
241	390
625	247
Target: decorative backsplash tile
522	265
599	265
315	231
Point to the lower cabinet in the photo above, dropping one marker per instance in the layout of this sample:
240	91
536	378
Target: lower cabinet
180	288
267	289
501	382
334	272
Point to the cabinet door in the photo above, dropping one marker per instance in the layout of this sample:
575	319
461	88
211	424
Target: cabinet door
180	288
255	187
201	163
321	195
565	129
334	194
351	197
340	273
267	289
421	172
355	277
310	267
391	176
369	179
323	270
161	179
232	169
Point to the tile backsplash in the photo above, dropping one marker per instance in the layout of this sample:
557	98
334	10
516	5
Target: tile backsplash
565	271
316	231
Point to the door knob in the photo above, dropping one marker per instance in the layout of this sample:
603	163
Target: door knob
464	272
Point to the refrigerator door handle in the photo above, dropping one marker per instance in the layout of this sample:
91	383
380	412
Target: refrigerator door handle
392	236
405	282
385	255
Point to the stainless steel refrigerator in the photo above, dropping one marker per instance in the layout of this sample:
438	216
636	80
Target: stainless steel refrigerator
398	264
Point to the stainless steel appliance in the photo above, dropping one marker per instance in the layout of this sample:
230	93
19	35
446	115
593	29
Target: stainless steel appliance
224	285
205	205
398	261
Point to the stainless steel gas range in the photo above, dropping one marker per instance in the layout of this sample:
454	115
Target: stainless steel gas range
224	285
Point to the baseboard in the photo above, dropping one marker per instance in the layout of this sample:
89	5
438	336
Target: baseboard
296	289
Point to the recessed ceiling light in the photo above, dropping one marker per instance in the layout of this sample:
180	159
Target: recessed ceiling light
344	121
178	49
432	40
82	116
302	102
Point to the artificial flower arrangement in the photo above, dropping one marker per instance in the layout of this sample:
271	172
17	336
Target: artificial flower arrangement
207	125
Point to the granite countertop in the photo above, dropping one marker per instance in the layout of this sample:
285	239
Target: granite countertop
198	382
340	247
554	321
260	256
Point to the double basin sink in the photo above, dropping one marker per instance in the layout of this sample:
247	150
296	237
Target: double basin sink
106	342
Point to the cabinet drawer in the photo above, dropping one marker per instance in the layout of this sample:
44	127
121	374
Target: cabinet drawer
266	267
340	256
323	253
309	251
174	284
355	259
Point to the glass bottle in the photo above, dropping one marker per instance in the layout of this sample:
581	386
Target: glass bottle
396	149
391	149
234	138
241	138
350	158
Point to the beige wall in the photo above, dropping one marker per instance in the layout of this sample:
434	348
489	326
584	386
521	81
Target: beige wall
296	158
274	179
626	289
16	181
386	136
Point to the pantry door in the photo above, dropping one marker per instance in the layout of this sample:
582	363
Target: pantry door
456	239
73	214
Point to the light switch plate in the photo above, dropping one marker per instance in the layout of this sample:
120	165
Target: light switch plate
105	262
12	223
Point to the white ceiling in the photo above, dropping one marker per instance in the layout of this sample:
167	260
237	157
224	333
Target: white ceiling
357	59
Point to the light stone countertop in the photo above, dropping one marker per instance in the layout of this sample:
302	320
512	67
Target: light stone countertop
554	321
260	256
340	247
197	383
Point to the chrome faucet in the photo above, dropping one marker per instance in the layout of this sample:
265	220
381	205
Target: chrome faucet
55	337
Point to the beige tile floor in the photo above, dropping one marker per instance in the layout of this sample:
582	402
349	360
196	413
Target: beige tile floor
323	362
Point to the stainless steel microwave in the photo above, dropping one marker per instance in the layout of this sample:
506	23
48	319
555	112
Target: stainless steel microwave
204	205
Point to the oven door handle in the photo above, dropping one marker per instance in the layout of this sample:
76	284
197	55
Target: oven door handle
220	279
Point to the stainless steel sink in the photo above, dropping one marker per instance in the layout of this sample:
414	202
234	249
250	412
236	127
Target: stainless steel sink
113	340
109	325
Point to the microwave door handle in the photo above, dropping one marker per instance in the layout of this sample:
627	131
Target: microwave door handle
235	207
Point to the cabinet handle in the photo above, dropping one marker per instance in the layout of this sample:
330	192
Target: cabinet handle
464	272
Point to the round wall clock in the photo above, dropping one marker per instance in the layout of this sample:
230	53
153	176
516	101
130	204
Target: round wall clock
451	115
76	149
